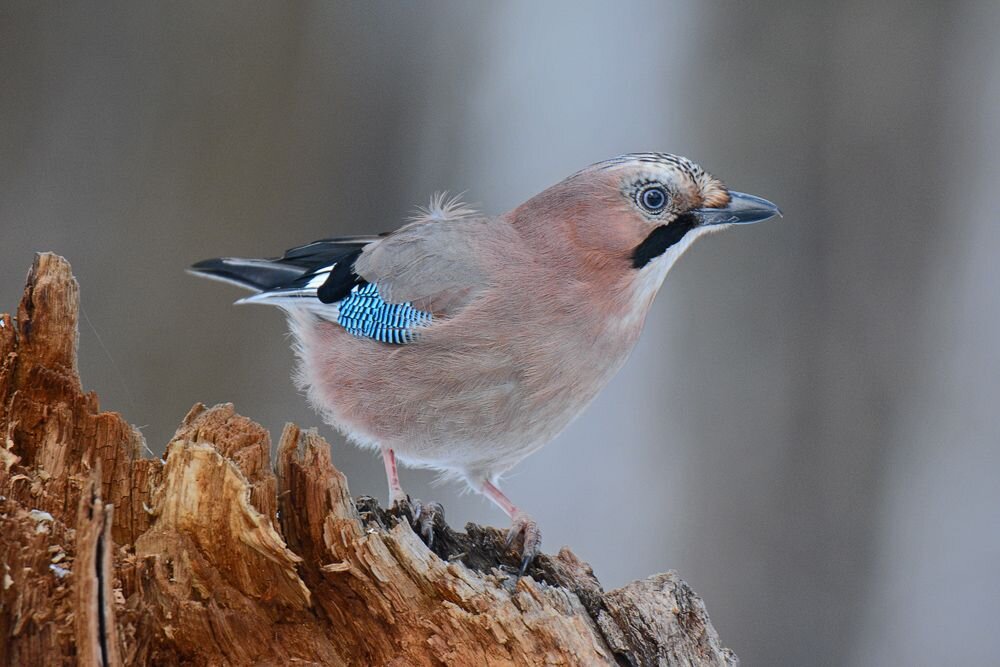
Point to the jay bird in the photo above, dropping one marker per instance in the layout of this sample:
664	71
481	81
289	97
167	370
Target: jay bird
464	342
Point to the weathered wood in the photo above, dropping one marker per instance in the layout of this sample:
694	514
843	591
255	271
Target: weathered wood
56	429
96	631
212	556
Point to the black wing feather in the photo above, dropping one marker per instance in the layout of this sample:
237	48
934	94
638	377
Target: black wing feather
321	253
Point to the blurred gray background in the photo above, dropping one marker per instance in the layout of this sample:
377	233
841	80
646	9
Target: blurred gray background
808	429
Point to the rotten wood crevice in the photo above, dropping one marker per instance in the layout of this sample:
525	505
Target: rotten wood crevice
216	556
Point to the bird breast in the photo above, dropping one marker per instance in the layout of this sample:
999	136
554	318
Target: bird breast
479	391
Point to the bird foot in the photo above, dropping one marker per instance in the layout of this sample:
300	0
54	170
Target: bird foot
427	516
423	516
524	526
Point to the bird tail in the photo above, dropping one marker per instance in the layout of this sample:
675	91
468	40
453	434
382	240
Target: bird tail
259	275
300	277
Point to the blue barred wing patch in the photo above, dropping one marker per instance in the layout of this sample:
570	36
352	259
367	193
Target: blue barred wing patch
363	312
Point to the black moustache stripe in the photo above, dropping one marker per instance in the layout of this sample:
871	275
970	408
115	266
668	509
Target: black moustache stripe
661	238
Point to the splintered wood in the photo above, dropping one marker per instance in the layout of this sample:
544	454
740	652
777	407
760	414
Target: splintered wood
215	557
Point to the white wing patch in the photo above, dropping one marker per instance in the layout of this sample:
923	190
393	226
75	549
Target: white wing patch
298	295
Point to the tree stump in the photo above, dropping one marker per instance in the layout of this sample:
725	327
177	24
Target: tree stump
212	556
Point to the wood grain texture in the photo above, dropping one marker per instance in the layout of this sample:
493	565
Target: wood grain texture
214	556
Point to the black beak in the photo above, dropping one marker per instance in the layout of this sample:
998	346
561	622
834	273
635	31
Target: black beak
743	209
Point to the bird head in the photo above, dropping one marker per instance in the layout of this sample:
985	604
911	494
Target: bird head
634	215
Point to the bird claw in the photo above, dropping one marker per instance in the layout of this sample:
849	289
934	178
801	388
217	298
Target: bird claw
400	502
526	527
426	515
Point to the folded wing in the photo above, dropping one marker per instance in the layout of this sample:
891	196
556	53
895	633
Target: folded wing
383	287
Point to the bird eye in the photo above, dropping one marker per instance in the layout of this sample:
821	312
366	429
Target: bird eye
653	198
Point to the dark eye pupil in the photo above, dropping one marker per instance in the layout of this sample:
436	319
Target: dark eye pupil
654	199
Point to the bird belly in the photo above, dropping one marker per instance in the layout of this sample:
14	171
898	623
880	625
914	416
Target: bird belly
473	406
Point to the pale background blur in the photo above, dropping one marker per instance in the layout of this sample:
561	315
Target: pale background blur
808	431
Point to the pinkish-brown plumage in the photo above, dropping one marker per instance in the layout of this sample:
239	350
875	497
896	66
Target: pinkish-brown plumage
532	313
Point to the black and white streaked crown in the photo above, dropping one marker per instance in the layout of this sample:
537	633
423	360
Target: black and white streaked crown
678	162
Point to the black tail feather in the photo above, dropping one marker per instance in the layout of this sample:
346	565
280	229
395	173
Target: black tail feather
256	274
291	270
